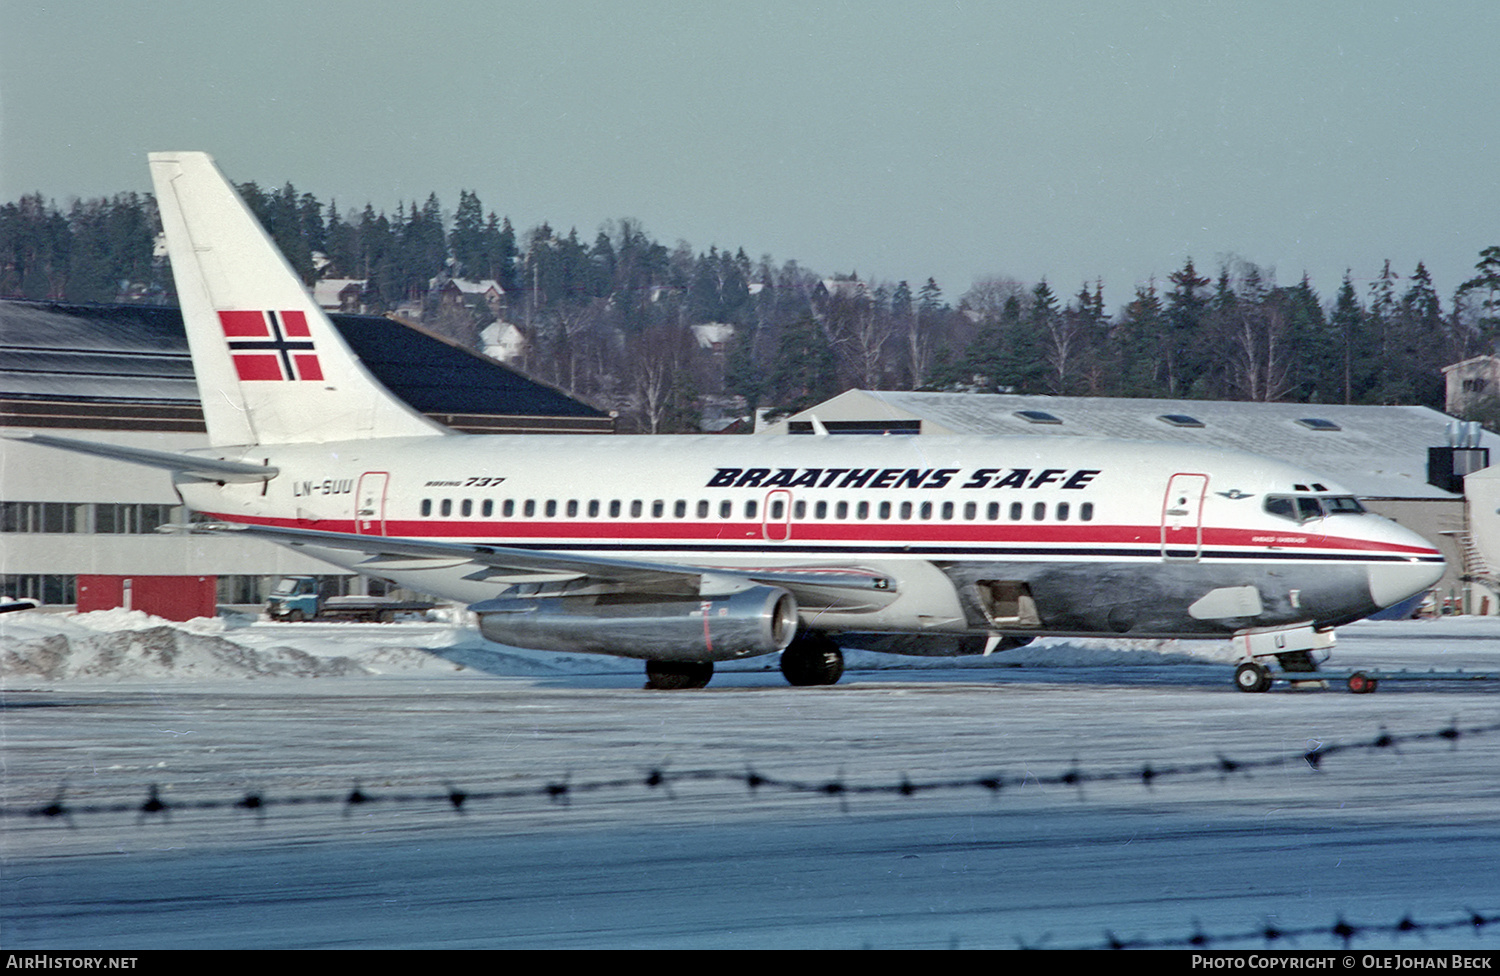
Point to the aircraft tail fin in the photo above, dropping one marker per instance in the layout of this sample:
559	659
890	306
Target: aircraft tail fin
271	367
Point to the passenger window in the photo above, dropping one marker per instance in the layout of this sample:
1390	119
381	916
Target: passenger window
799	510
1015	511
614	508
593	508
447	508
466	507
680	509
703	509
426	507
636	508
528	508
488	508
750	509
992	511
841	510
572	508
658	508
820	510
862	511
551	508
1062	511
885	510
1086	512
905	511
1039	512
726	510
777	509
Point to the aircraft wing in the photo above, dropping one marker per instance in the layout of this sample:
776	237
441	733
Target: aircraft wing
848	588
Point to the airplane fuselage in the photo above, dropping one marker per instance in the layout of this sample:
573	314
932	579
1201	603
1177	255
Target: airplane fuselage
969	536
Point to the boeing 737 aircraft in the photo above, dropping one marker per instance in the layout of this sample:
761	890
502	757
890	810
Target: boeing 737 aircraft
686	550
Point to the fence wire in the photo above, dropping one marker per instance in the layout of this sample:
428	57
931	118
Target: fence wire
661	780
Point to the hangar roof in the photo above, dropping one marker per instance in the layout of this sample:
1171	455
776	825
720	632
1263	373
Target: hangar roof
1375	451
136	356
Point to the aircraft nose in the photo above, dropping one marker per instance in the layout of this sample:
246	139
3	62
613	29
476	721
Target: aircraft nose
1390	583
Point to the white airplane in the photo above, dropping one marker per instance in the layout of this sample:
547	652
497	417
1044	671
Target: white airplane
686	550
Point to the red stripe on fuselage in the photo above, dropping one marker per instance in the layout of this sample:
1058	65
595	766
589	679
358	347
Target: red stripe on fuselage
896	535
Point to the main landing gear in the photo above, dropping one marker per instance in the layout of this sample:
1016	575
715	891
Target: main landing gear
678	675
810	659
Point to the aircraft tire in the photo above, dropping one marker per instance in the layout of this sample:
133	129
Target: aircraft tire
1252	677
678	675
812	659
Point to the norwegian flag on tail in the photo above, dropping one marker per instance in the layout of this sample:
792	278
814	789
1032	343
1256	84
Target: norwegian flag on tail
271	345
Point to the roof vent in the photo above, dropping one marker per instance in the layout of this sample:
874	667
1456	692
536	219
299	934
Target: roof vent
1318	423
1037	417
1180	420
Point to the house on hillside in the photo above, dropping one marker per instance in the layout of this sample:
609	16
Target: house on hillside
1470	382
340	294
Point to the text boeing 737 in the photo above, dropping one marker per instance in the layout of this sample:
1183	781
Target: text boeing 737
683	551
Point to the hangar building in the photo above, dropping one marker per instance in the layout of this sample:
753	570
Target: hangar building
79	531
1404	462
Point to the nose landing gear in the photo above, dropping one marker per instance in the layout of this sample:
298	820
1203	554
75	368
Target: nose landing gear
1292	647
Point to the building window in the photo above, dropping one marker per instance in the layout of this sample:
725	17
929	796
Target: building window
48	588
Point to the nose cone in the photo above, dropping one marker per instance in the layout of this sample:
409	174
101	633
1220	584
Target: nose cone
1390	583
1420	568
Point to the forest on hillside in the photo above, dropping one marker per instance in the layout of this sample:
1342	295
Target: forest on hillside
611	319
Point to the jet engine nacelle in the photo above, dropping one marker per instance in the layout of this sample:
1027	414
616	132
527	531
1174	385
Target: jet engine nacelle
756	620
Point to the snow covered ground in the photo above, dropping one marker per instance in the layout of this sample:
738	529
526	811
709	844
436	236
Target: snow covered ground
562	842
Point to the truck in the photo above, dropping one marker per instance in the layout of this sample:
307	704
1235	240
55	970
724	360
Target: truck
297	598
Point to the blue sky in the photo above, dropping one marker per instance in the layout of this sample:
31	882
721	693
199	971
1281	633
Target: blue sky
957	140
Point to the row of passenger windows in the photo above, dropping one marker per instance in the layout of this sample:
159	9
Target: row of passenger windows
776	510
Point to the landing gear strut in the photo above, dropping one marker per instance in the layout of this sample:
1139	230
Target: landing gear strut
812	659
678	675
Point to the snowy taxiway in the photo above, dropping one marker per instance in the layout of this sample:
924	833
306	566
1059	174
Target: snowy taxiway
564	842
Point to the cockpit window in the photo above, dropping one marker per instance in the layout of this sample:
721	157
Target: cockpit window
1303	508
1281	505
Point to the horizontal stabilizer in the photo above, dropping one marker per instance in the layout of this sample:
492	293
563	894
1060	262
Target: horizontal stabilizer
209	469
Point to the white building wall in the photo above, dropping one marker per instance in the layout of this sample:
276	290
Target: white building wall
29	473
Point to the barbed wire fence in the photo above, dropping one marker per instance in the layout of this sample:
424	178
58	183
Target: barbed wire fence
661	781
1340	931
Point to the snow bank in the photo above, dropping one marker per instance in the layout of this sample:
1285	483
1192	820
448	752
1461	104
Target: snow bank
128	644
